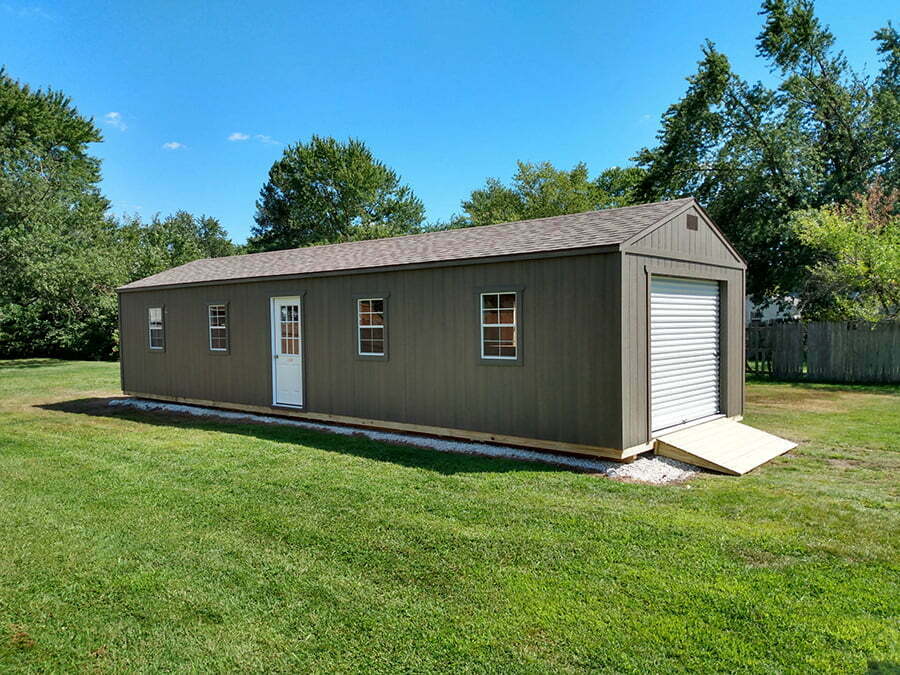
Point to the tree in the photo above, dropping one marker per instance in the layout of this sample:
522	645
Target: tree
858	273
754	155
61	255
326	191
148	248
541	190
56	288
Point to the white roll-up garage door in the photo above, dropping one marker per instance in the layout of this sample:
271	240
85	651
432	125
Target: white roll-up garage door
684	350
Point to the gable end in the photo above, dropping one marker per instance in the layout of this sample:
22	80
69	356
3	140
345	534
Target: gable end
689	234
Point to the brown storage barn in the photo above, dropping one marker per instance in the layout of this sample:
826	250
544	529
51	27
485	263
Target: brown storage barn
592	333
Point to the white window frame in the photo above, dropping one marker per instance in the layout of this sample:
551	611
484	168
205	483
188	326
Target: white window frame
161	328
221	329
360	326
514	325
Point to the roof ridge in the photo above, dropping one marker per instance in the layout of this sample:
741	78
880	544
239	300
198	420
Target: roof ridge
444	231
600	227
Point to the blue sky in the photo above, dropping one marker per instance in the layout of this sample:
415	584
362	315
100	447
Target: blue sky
446	93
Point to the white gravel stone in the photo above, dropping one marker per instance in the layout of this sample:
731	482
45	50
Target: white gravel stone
652	469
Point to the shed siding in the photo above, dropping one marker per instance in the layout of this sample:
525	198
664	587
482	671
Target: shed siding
567	389
675	240
635	268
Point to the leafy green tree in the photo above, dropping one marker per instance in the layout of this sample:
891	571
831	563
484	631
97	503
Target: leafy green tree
754	155
618	186
55	242
326	191
61	256
858	273
541	190
152	247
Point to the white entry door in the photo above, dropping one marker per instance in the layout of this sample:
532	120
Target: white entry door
684	350
287	352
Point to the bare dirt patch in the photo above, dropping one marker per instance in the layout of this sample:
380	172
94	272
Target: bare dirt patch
805	400
845	463
756	558
19	638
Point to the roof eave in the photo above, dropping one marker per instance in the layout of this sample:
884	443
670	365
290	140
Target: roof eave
553	253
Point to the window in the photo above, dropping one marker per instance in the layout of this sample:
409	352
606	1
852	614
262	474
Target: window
155	324
370	326
218	328
498	326
290	329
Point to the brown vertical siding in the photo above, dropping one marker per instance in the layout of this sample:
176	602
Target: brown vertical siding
675	250
635	330
583	377
567	389
675	240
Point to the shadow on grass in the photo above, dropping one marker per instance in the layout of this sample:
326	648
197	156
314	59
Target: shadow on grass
862	388
446	463
19	364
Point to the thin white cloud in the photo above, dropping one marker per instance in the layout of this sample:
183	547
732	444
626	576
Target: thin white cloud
240	136
126	206
173	145
115	120
27	11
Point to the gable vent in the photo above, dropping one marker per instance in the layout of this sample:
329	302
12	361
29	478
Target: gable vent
691	222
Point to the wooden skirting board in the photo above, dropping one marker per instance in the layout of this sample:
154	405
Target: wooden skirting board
723	445
626	455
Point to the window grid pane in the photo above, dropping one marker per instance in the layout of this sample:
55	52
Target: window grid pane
370	327
498	326
155	327
218	328
290	330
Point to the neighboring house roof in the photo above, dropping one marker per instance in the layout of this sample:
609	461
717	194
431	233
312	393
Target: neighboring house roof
782	308
609	227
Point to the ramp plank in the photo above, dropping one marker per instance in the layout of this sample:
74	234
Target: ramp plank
723	445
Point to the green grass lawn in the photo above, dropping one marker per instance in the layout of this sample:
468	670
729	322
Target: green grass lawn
136	541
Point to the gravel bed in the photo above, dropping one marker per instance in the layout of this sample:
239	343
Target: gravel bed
649	469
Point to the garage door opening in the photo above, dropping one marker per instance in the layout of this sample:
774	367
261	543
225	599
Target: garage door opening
684	351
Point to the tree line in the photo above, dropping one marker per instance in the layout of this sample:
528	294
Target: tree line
803	177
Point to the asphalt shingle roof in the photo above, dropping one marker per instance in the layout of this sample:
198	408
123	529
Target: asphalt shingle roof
557	233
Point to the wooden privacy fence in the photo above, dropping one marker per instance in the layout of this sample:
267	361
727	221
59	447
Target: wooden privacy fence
827	351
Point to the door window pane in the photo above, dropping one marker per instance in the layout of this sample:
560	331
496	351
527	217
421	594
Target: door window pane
289	330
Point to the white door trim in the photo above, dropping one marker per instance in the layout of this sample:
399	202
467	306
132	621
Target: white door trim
274	326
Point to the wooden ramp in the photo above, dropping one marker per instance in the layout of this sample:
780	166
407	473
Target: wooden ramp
723	445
